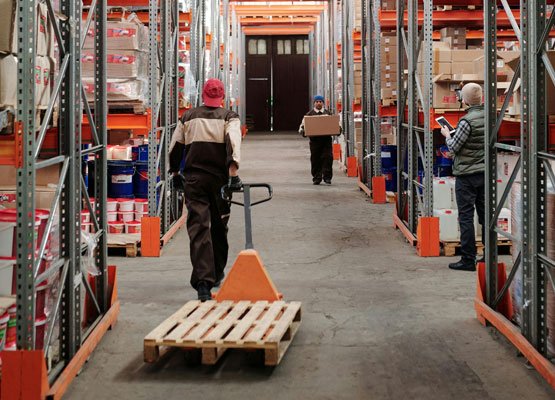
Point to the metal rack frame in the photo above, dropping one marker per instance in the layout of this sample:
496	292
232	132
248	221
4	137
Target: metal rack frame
538	270
347	73
70	97
413	138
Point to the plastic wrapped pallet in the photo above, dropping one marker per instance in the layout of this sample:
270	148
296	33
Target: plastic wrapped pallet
516	226
118	89
120	64
128	34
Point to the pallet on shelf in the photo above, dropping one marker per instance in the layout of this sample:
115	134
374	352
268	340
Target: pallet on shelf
128	242
213	327
125	107
452	248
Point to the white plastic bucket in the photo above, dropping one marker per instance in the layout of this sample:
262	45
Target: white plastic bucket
112	216
126	205
141	205
115	227
442	194
139	215
126	216
448	224
85	216
111	205
133	227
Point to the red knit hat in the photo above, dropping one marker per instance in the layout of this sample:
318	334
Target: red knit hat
213	93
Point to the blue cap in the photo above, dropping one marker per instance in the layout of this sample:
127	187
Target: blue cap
319	98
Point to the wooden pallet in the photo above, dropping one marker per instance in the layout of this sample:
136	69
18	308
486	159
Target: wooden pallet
124	107
215	327
451	249
127	244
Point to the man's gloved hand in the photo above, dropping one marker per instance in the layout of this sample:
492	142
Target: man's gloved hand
178	182
234	184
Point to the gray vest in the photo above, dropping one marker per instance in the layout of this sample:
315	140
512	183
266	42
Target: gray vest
470	158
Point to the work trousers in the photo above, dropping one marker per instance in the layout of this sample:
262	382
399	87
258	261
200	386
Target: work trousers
207	218
470	193
321	158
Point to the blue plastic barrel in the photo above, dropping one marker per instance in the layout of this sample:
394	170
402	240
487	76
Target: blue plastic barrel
389	156
390	175
140	180
140	153
120	179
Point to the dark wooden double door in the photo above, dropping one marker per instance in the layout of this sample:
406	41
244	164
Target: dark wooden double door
277	82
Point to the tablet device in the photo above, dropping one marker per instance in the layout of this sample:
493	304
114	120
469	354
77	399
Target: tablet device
445	124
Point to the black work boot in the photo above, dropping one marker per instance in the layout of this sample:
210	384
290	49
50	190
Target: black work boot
203	290
463	265
328	181
316	181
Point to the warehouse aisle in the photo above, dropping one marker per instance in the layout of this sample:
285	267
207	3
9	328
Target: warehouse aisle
378	322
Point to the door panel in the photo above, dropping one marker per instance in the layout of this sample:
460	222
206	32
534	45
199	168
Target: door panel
290	74
258	85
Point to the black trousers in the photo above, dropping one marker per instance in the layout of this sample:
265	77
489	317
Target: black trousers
321	158
207	218
470	193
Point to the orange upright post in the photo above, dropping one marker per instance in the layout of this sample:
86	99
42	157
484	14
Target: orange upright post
24	375
248	280
427	235
352	168
150	237
378	190
336	151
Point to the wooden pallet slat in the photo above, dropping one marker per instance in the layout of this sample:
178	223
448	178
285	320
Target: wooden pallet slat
165	327
190	322
196	333
281	327
216	335
242	327
256	335
213	327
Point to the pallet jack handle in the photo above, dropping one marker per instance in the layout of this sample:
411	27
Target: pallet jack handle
246	190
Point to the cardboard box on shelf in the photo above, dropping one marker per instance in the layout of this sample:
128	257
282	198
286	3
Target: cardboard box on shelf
452	31
389	76
119	63
388	40
388	93
117	89
122	35
438	68
444	96
43	196
389	5
465	56
9	32
327	125
460	68
441	53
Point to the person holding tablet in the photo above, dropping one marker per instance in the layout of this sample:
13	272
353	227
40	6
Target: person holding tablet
467	145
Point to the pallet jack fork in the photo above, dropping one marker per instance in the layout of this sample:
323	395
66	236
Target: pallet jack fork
247	278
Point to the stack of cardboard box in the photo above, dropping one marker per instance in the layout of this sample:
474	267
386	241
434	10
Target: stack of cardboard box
388	67
454	37
44	56
127	61
389	5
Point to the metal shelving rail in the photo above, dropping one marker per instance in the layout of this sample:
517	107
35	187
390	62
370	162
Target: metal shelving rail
67	351
533	262
347	86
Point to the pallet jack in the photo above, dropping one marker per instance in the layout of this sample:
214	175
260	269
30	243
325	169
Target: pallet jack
247	313
248	279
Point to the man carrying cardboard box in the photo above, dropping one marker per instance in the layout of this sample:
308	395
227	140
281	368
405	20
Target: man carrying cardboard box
321	153
467	144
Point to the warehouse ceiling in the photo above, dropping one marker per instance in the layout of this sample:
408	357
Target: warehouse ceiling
278	17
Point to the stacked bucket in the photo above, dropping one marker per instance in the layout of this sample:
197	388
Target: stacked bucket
45	291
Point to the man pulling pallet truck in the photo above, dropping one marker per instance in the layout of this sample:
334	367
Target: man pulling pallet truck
210	139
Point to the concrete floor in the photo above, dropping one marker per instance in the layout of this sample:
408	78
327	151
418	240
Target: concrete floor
378	321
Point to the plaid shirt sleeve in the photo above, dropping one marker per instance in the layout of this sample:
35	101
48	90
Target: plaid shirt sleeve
459	137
